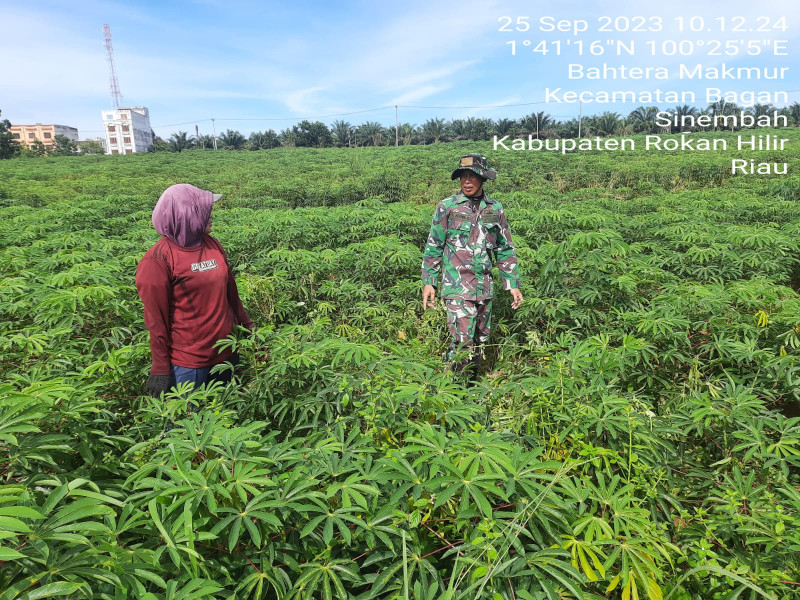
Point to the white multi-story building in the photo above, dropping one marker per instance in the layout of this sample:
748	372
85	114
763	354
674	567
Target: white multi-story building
127	130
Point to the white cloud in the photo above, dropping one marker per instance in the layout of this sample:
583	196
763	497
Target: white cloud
415	54
427	46
237	58
418	93
299	102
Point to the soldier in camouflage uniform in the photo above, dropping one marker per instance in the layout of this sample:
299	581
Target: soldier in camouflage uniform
468	229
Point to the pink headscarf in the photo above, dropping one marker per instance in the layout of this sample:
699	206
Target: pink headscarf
182	213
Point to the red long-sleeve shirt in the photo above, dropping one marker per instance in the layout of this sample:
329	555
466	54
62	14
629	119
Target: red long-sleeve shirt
190	302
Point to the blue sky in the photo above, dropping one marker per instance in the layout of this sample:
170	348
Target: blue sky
260	65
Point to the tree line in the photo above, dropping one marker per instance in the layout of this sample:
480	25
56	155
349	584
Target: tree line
344	134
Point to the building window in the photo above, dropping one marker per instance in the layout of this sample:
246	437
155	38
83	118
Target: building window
113	140
115	152
31	136
126	128
128	151
109	116
127	140
112	128
123	116
47	135
16	136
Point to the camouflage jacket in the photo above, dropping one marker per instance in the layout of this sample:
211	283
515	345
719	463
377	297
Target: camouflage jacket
465	241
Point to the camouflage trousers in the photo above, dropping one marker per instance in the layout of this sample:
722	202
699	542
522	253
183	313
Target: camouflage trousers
469	324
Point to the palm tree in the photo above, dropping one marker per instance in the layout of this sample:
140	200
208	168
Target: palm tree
204	141
792	112
341	132
759	110
545	120
180	141
567	129
643	119
159	145
504	127
721	107
312	135
606	124
232	140
263	141
625	127
458	129
434	129
370	134
479	129
407	133
288	137
528	123
535	123
680	112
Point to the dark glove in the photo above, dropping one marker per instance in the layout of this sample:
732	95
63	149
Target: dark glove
159	383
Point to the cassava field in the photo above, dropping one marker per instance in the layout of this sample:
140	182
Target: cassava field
631	437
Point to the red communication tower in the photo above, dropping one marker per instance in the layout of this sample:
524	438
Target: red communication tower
116	95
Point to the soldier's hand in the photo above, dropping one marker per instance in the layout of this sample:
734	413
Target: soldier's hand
428	296
518	299
157	384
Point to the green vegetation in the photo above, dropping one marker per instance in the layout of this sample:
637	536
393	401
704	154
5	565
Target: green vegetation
630	438
8	145
541	125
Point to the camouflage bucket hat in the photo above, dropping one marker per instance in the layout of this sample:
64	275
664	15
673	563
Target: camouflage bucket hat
477	163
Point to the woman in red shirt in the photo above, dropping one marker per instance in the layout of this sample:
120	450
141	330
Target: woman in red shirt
188	291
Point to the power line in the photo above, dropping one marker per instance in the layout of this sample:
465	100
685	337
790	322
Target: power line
209	119
487	106
388	107
344	114
156	126
354	112
186	123
357	112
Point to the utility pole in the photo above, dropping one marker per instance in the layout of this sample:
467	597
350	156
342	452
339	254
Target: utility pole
214	129
396	128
